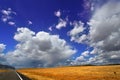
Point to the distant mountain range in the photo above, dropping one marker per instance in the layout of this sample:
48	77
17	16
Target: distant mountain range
6	67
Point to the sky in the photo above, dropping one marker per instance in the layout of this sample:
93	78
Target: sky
50	33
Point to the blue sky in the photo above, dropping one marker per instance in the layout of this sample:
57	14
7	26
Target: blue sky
42	16
42	33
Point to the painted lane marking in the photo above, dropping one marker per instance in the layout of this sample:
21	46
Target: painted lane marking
18	75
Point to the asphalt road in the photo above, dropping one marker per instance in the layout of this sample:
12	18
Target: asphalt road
12	75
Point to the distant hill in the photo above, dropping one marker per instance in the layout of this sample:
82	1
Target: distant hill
6	67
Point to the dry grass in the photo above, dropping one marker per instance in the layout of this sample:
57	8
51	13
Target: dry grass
3	70
74	73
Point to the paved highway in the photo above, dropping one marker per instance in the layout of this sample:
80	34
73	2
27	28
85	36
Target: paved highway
12	75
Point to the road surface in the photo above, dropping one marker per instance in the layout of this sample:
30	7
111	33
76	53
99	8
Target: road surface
12	75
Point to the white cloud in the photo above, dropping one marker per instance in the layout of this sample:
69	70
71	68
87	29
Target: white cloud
11	23
104	33
4	19
2	55
7	12
75	32
50	28
80	58
96	4
62	23
58	13
78	27
85	53
7	16
2	47
38	50
105	30
114	56
82	39
94	51
29	22
23	34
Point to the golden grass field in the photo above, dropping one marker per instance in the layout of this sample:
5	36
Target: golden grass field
3	70
74	73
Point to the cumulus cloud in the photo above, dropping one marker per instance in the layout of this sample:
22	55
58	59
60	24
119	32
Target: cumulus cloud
80	58
38	49
58	13
105	30
85	53
76	31
104	34
62	23
78	27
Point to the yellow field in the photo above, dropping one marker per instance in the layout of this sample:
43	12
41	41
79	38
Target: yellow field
74	73
2	70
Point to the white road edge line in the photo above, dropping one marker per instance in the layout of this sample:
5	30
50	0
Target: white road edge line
18	75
